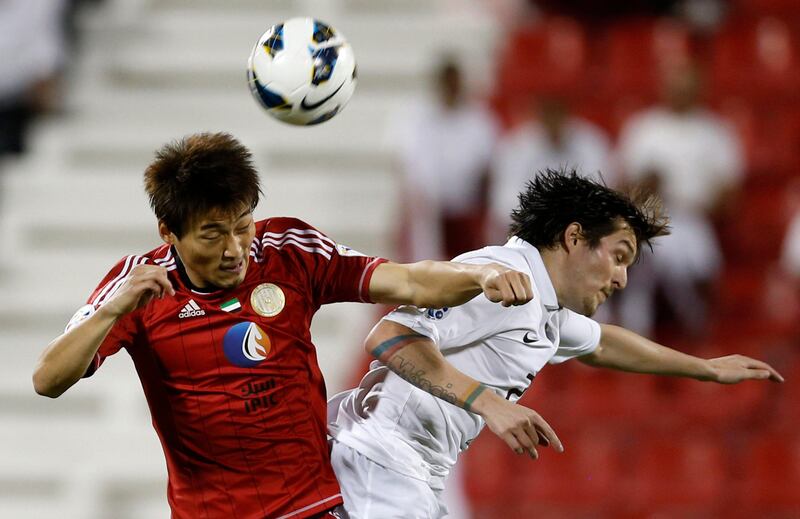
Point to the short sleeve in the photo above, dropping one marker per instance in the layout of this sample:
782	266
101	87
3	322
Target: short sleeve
338	273
579	335
122	334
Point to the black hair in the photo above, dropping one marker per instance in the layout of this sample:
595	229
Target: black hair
194	175
554	199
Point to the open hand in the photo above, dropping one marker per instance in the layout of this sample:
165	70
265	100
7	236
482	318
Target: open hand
733	369
144	283
520	427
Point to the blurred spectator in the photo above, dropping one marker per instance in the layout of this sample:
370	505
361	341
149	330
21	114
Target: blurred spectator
694	160
782	291
32	44
553	139
790	258
442	148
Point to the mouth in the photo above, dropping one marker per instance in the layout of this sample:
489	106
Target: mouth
233	268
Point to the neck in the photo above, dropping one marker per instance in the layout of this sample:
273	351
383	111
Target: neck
187	278
553	260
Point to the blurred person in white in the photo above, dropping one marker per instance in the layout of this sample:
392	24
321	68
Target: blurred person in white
553	139
442	148
32	46
693	159
782	291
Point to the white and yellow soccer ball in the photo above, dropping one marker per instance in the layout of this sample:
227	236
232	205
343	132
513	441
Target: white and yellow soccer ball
302	71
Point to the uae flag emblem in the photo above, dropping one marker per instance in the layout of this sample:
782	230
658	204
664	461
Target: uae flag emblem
231	306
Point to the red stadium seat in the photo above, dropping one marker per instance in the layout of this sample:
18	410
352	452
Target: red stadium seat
756	234
771	475
756	58
783	8
586	477
737	285
638	51
546	57
770	136
682	473
487	473
603	397
716	405
786	417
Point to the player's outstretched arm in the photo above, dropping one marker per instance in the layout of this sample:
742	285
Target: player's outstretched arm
416	359
67	357
438	284
627	351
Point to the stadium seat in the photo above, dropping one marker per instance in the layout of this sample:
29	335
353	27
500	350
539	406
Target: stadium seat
783	8
785	417
586	477
603	397
682	472
486	471
770	137
548	56
638	50
611	110
756	234
718	405
757	58
771	474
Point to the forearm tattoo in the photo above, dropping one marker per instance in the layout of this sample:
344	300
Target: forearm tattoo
408	370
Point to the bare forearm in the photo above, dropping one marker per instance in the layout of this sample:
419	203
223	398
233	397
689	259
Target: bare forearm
66	358
434	284
417	360
625	350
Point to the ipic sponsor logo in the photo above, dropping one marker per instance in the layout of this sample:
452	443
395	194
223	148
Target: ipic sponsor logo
246	345
259	395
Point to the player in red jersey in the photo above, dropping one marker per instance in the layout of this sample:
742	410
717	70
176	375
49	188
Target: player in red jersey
217	322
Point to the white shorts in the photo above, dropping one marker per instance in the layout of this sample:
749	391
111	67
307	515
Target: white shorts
372	491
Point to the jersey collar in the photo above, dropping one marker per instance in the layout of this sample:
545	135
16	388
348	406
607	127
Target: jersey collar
540	276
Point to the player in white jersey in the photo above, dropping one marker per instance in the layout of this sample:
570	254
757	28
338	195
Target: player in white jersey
445	373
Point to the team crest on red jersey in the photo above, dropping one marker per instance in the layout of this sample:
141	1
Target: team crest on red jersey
246	345
267	299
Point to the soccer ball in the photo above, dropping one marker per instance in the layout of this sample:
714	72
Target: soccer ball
302	71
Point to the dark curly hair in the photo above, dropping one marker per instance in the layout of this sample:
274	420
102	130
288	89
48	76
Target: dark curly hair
554	199
199	173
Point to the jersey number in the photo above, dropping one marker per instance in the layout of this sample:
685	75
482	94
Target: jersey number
515	391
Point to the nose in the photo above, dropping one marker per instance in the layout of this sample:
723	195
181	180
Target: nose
233	247
620	278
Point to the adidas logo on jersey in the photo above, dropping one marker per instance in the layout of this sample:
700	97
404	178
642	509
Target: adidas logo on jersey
191	310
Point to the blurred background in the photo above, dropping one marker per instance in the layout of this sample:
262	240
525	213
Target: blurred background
458	103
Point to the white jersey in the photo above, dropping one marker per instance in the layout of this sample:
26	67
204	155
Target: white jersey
412	432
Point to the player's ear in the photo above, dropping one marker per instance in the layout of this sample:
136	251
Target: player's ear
166	234
572	235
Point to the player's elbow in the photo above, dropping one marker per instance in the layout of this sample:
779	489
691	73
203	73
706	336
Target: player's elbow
371	344
46	385
381	339
44	389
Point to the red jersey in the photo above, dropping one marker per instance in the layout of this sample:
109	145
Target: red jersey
231	377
